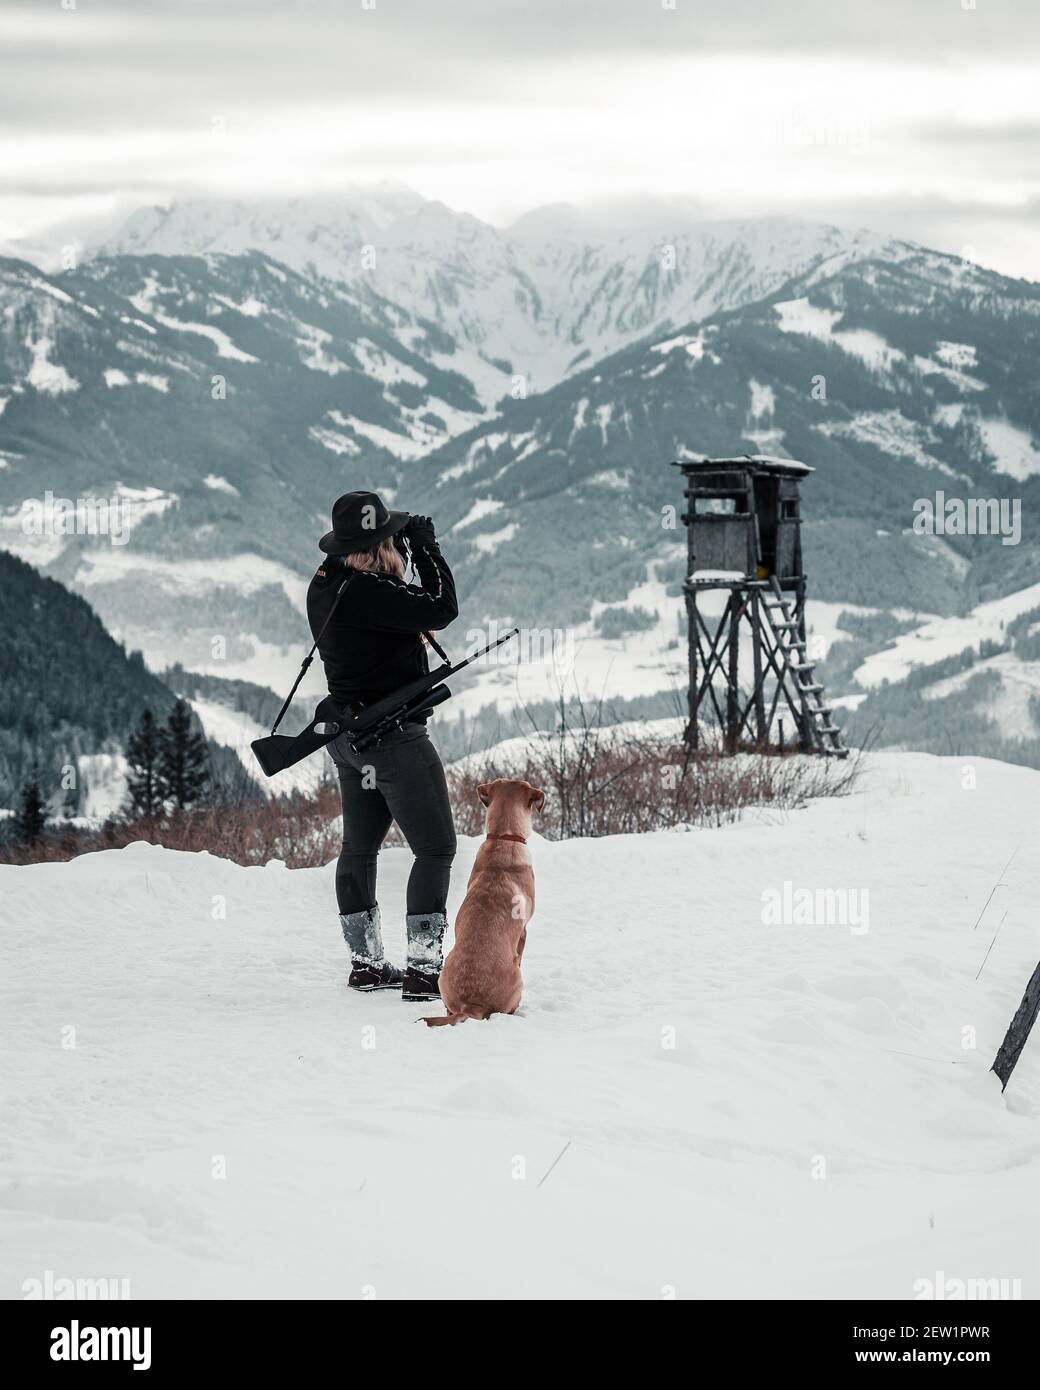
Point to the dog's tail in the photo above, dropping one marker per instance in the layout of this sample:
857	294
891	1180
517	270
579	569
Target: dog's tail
460	1016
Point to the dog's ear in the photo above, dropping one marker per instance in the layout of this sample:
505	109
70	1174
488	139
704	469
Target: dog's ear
484	793
536	800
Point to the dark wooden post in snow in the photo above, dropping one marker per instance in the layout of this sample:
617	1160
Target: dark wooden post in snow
743	538
1015	1037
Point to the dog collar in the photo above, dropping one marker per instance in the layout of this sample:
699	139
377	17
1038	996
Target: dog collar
520	839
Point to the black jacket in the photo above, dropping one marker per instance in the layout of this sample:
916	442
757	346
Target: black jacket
373	644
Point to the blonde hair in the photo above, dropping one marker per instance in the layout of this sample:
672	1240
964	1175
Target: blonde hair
385	558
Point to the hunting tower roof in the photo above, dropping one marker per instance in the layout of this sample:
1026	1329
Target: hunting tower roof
756	463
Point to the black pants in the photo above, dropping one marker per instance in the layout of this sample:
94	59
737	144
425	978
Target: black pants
401	780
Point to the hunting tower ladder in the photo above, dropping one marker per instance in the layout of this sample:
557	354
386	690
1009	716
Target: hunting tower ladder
744	539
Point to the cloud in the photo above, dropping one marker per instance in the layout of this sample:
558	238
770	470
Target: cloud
101	66
1002	238
500	105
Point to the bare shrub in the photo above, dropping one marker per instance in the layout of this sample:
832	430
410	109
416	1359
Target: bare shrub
613	780
301	829
598	780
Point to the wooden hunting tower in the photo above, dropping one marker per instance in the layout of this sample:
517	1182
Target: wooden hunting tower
744	538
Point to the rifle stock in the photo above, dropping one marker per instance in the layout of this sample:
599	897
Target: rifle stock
276	752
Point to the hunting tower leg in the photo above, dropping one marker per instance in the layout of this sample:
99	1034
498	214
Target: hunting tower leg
691	736
736	606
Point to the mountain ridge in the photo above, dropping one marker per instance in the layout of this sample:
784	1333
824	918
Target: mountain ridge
549	501
502	292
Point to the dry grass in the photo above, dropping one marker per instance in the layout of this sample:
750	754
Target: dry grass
605	782
597	781
301	830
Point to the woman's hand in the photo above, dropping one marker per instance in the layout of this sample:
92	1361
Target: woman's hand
418	530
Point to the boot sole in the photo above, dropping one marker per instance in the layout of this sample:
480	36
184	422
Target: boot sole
371	989
421	998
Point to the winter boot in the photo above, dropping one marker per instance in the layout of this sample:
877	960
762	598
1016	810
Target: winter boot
425	939
369	969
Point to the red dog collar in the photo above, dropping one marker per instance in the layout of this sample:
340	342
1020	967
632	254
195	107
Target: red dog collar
520	839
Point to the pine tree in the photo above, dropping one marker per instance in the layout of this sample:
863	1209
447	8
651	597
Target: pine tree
145	782
30	819
182	759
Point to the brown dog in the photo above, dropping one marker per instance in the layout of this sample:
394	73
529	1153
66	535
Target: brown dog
481	974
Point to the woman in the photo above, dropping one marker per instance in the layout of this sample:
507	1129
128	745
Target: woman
372	646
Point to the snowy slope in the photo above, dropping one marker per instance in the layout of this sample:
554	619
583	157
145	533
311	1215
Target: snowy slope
236	730
368	1156
943	637
543	664
1013	705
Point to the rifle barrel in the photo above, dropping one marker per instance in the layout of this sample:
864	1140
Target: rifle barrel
513	632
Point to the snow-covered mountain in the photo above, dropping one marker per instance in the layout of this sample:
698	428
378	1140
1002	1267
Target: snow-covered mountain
218	404
537	300
751	1110
896	382
895	371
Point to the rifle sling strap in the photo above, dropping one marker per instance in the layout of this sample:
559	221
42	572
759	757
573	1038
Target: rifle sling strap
310	655
437	648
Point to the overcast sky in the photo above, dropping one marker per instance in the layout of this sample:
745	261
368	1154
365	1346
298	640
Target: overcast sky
920	118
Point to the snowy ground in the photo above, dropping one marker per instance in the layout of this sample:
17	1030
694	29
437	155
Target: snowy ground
817	1130
943	637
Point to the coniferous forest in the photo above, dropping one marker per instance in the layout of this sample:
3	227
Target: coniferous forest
69	689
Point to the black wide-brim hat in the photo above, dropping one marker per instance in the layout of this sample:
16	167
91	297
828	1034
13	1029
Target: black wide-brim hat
359	522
